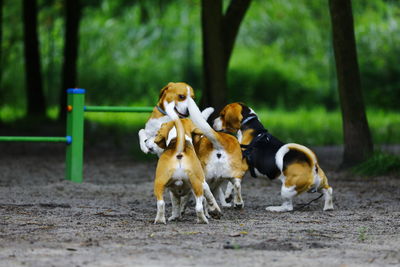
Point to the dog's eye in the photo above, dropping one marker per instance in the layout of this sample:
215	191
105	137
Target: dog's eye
182	97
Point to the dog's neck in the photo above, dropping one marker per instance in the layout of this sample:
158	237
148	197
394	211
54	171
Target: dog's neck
156	114
158	111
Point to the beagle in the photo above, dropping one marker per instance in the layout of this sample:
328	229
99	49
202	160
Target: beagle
220	155
176	92
295	165
179	170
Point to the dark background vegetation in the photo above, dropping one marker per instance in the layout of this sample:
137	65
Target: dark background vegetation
282	64
129	49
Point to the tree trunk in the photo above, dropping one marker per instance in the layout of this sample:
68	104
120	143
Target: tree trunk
219	34
1	53
71	46
35	97
357	138
214	64
1	42
144	12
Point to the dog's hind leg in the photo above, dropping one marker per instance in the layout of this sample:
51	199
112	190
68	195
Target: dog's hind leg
328	198
197	188
176	201
159	187
142	139
184	201
287	194
228	192
213	207
206	208
221	197
326	190
237	198
160	182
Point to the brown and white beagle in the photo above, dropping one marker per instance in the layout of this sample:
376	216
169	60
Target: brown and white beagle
179	170
221	157
172	92
295	165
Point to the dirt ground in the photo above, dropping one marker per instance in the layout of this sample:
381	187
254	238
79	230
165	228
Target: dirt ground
108	219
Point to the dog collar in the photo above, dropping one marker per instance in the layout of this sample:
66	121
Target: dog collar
161	110
180	115
248	149
248	119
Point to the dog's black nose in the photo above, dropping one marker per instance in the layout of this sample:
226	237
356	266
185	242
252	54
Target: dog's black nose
219	155
179	156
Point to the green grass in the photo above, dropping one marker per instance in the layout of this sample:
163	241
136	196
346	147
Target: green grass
311	127
320	127
378	164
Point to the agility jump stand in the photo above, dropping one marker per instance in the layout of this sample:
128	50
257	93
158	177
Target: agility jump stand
75	129
74	138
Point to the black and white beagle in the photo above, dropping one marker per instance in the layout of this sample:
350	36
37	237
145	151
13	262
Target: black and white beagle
295	165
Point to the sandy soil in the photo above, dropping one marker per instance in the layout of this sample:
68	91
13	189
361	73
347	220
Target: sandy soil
107	220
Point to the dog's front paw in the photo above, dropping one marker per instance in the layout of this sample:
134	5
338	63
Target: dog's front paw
328	208
160	219
206	214
201	218
173	218
143	147
238	205
152	147
228	199
215	211
142	141
215	214
226	205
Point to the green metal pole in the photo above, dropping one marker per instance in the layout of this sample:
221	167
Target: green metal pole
75	126
117	109
33	139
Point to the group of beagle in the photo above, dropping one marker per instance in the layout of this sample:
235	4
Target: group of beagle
197	158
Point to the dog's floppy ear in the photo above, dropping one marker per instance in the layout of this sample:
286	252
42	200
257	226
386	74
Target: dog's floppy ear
233	117
196	135
165	88
162	134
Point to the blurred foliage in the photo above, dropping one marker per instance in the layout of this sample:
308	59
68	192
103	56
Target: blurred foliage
284	54
128	49
322	127
283	57
379	164
311	127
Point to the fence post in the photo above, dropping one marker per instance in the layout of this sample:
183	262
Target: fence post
75	126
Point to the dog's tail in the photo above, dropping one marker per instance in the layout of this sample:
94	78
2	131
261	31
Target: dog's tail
180	131
201	123
292	146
